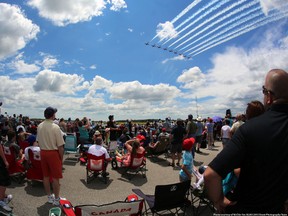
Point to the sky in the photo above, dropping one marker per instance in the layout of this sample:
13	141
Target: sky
144	59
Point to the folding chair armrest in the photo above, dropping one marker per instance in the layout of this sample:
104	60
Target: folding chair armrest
139	193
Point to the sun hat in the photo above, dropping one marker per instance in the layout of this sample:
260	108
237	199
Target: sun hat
97	133
199	119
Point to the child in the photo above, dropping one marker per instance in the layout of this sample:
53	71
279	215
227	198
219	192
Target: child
187	160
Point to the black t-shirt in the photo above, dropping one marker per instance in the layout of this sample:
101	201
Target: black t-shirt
260	148
178	133
113	133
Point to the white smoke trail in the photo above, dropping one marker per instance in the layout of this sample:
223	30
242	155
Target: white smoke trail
182	13
236	11
281	16
245	29
236	22
194	15
201	17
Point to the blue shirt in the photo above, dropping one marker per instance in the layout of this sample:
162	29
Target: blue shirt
187	161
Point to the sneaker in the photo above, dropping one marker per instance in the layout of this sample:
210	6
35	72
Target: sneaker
5	206
56	201
51	198
8	198
196	186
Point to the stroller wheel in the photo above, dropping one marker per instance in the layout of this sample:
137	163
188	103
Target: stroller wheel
114	164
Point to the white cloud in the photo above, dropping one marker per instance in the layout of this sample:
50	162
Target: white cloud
65	12
16	30
117	5
176	58
93	67
236	76
192	78
136	91
130	30
22	67
166	30
268	5
99	82
54	81
49	62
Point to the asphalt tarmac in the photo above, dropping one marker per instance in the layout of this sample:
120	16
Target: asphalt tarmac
31	199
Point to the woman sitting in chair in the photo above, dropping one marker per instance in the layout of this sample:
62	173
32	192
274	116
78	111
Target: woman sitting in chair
133	147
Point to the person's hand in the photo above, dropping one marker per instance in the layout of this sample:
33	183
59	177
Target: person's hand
222	204
6	164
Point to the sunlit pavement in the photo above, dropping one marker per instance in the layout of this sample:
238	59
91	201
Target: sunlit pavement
31	199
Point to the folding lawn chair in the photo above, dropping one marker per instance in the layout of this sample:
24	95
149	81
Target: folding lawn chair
34	172
71	146
16	169
167	198
119	208
161	147
23	144
96	166
199	197
137	165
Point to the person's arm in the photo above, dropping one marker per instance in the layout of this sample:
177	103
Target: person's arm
3	157
128	145
61	151
183	167
213	184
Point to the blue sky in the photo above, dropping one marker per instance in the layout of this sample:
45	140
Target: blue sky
89	58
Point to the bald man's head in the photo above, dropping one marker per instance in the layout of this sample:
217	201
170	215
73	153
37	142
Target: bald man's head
276	83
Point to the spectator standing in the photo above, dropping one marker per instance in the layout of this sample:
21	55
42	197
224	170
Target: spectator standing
191	129
113	128
51	143
198	134
225	132
210	130
263	181
178	134
236	124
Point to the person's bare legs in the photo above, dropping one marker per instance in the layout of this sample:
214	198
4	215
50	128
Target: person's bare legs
46	184
56	187
2	192
173	159
179	157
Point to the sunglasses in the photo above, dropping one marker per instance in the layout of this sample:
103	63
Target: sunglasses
265	91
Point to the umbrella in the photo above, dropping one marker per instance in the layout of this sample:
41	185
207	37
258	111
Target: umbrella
217	119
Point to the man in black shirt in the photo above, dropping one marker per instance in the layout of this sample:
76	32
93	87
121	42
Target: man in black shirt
178	134
260	148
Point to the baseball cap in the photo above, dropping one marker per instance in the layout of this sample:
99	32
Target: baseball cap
31	139
49	112
188	143
140	137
